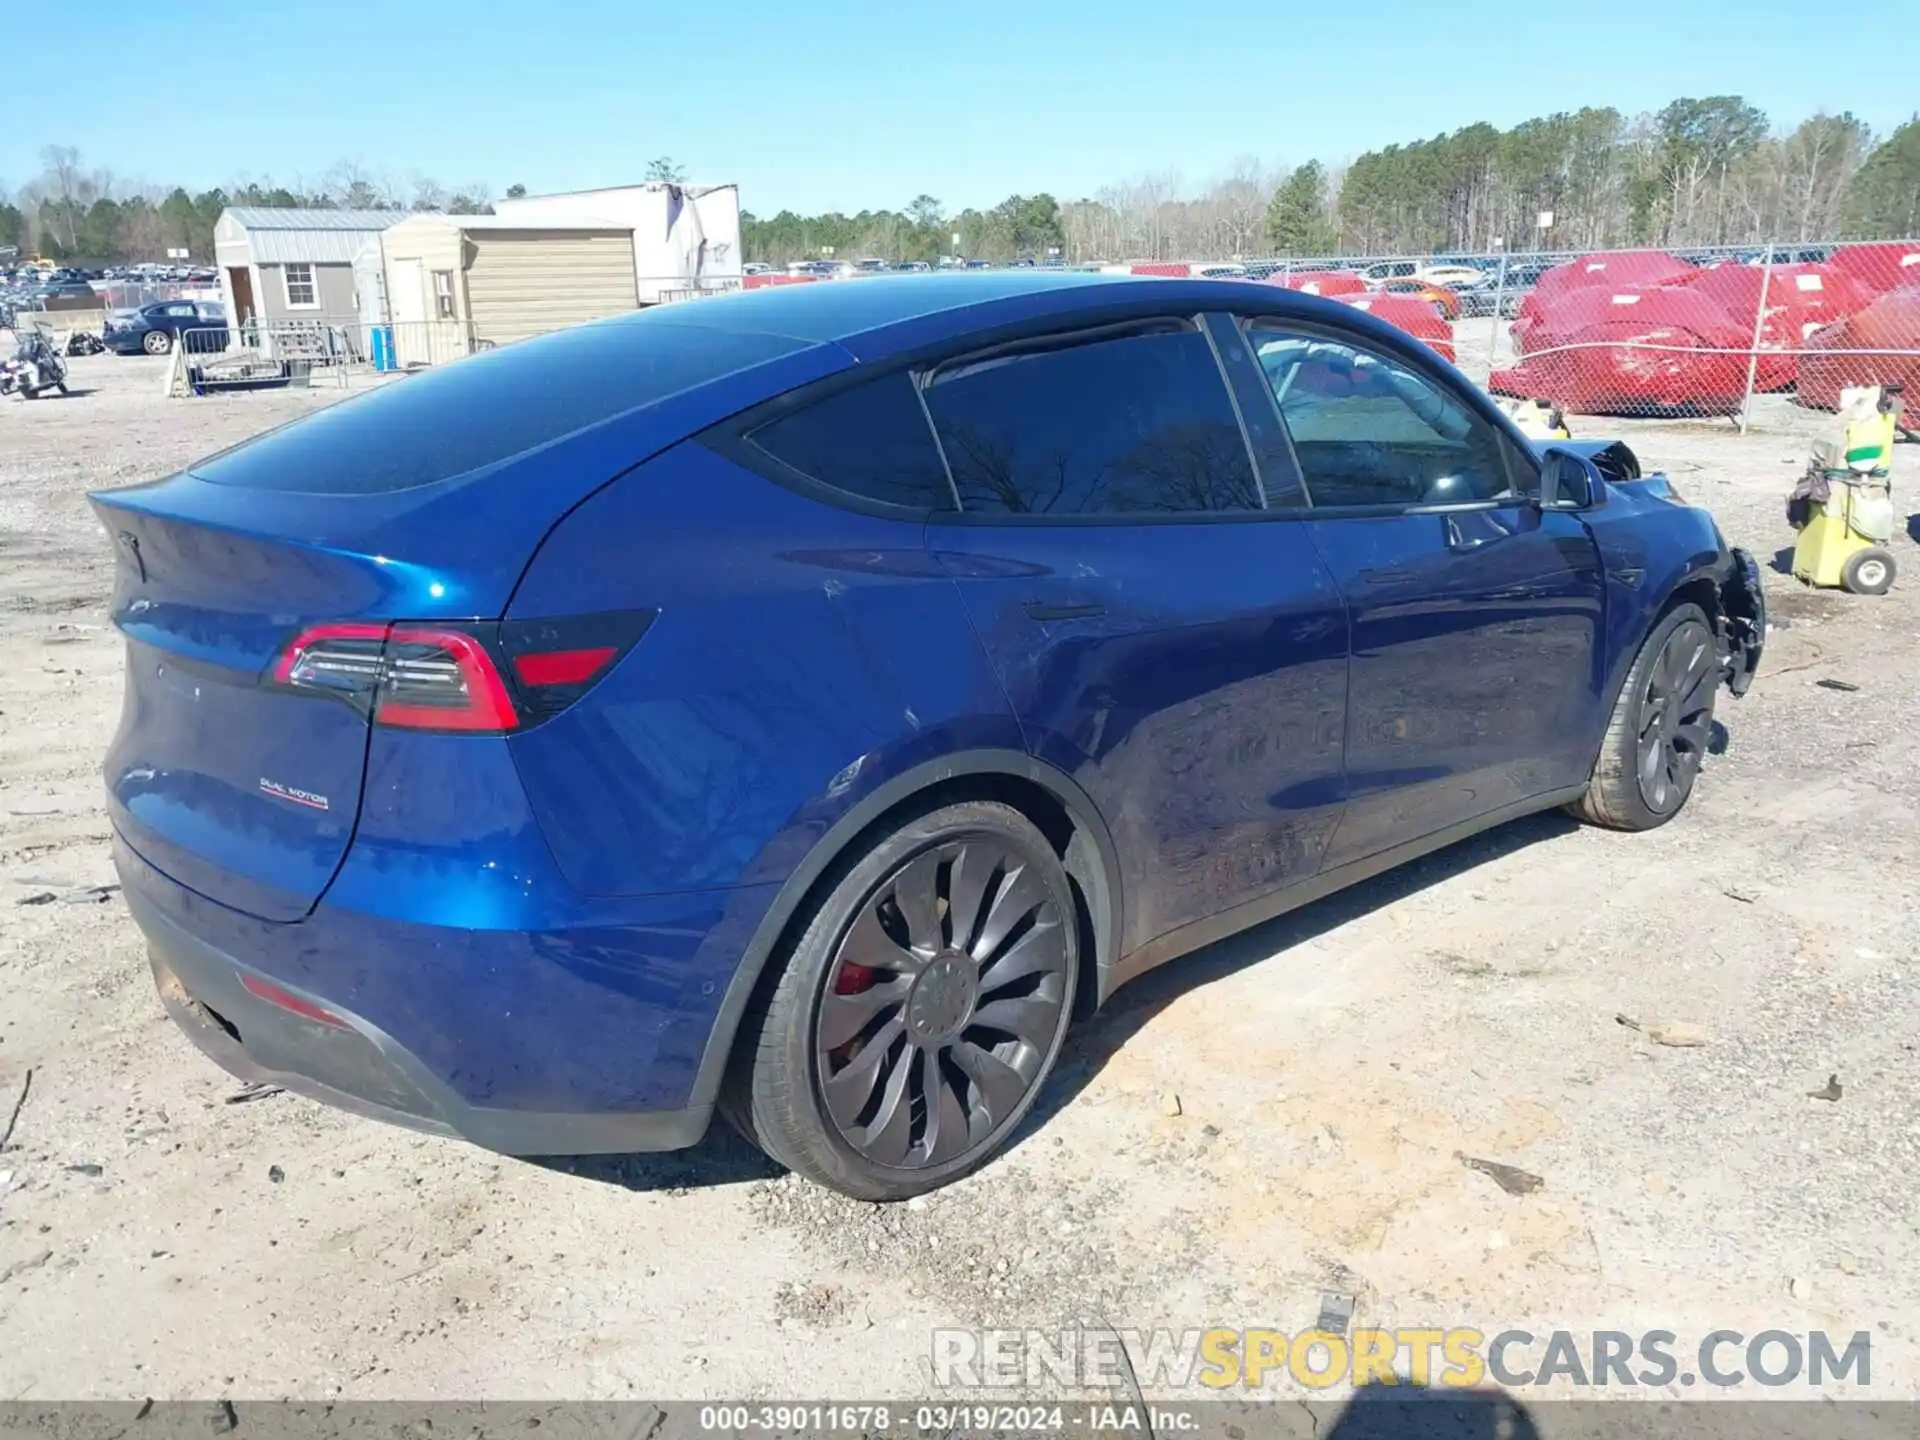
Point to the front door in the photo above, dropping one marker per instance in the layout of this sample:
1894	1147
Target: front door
1164	635
240	278
1476	615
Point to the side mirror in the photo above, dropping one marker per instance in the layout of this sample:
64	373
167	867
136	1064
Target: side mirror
1570	482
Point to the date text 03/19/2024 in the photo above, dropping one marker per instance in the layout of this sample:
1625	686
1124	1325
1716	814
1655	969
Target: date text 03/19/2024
947	1418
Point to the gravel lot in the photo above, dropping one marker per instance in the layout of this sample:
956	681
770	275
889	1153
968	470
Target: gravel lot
1271	1120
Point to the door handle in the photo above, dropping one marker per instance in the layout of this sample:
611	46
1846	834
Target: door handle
1388	577
1041	610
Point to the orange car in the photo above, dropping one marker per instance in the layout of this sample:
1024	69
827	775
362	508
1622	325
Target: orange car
1445	303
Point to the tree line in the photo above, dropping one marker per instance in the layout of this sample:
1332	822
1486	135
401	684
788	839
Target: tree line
1708	171
87	216
1699	171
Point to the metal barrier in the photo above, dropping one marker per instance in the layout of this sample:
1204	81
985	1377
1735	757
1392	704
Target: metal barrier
260	354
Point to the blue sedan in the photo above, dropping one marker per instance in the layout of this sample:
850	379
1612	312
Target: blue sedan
155	329
803	704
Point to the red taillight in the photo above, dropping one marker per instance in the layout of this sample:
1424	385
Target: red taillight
447	677
286	1000
409	676
563	667
442	680
332	657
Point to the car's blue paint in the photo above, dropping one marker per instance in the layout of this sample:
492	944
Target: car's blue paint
1476	653
804	654
569	918
564	1004
1202	708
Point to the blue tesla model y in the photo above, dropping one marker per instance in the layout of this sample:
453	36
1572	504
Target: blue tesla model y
802	704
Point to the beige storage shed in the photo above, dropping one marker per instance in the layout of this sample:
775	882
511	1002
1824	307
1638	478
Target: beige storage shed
457	283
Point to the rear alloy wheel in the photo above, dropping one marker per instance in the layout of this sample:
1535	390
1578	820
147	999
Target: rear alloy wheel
1661	726
921	1009
156	342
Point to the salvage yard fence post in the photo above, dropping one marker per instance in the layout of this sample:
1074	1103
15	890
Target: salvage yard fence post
1759	330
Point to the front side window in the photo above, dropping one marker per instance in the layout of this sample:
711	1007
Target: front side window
1133	423
1371	431
302	293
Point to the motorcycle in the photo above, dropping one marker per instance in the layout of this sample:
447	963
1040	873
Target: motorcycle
36	367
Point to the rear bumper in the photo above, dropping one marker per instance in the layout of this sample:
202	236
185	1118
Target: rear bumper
356	1066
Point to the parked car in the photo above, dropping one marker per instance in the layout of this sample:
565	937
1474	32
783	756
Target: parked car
1381	271
1444	302
1506	289
155	329
821	765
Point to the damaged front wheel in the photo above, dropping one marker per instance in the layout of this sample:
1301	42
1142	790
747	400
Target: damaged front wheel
1661	725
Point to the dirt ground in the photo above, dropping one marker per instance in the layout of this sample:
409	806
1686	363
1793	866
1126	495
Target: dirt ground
1271	1121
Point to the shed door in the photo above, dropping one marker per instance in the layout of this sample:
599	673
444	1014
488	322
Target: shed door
524	284
408	299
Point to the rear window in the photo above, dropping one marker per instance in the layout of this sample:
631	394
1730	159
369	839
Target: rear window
1139	424
487	408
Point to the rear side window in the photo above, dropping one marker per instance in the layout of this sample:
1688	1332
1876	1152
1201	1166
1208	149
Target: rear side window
478	411
1133	424
870	440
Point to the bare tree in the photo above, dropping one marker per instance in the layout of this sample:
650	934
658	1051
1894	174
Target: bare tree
64	184
428	193
1241	196
353	186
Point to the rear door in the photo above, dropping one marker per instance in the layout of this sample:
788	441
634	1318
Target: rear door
1477	617
1163	625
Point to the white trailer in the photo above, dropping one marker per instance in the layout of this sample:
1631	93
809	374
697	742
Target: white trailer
686	238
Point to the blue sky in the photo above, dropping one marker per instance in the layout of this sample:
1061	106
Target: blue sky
866	104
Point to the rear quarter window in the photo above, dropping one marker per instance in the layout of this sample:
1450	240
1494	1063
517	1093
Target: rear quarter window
870	440
481	410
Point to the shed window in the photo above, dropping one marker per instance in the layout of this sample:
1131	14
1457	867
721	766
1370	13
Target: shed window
302	293
443	294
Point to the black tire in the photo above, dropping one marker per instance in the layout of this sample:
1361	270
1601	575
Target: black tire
156	342
1661	724
1869	572
962	1010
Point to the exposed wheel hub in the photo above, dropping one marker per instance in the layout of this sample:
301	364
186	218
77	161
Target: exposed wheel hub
943	996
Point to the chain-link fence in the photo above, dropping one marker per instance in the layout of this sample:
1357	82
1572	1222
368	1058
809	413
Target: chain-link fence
1765	336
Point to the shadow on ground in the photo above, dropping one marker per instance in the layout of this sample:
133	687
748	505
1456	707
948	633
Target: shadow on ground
1090	1045
1394	1412
723	1158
